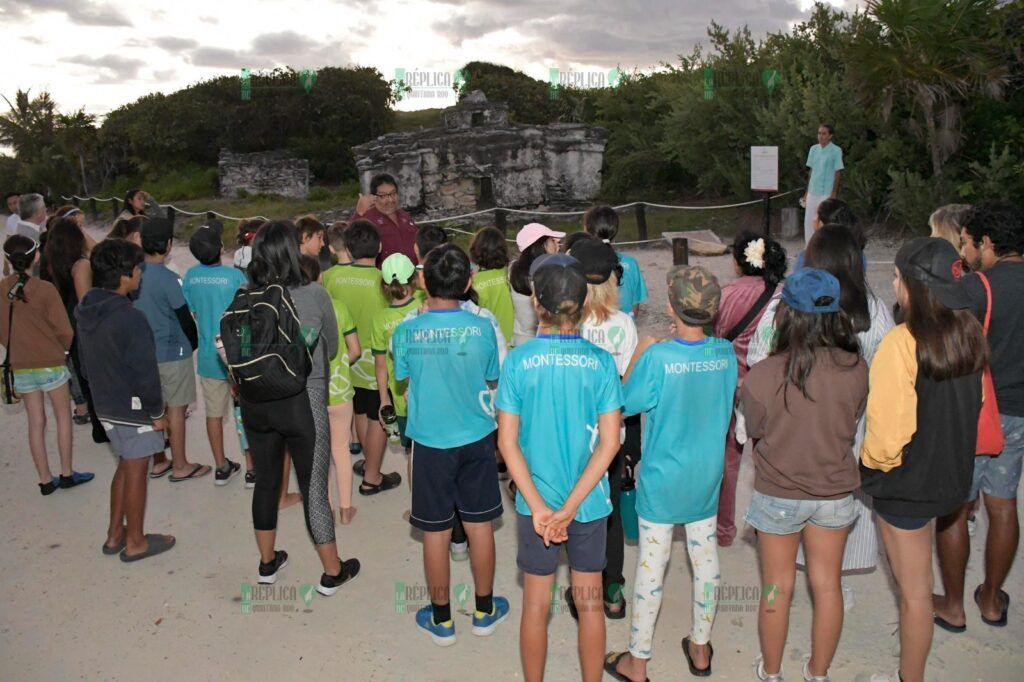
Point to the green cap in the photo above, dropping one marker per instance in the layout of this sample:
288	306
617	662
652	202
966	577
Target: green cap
694	294
397	267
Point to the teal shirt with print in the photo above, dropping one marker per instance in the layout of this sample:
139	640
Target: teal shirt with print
687	390
448	356
633	290
209	290
559	386
824	162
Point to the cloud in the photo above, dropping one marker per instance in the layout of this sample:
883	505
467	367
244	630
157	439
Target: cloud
84	12
281	48
608	32
110	68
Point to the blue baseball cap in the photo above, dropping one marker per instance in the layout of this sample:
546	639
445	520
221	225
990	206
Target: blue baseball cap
811	290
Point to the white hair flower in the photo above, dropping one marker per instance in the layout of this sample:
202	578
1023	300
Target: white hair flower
754	253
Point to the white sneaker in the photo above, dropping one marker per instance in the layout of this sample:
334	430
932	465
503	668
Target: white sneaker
762	675
808	677
460	551
879	677
848	598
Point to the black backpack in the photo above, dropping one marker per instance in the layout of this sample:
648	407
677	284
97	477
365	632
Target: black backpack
263	344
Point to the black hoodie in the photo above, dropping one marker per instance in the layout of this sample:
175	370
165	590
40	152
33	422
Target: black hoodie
118	357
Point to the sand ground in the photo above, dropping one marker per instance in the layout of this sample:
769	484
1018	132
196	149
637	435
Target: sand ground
70	613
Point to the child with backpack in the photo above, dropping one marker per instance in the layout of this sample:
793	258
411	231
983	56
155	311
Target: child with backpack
558	403
357	286
450	358
36	333
802	405
277	338
489	253
209	288
686	386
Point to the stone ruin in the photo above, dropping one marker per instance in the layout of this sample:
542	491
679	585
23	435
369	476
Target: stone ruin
479	160
263	172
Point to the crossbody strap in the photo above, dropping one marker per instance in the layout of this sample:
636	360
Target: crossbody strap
988	300
10	330
758	306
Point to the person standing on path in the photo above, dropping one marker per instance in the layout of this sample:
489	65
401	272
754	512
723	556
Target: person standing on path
825	160
396	227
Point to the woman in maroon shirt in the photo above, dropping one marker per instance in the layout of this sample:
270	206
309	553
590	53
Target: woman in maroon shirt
396	227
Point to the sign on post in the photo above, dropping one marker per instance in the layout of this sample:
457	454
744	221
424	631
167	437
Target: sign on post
764	169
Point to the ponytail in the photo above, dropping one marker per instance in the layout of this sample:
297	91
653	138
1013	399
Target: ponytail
21	252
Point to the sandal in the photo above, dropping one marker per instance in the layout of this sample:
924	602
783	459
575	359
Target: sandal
195	473
158	544
615	589
81	419
160	474
387	482
611	662
694	670
117	549
999	622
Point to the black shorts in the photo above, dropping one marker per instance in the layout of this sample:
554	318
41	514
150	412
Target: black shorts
906	522
366	401
446	479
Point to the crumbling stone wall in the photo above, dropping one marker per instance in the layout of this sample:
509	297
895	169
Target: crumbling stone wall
263	172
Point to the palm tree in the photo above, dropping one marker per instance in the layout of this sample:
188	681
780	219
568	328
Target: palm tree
930	56
78	133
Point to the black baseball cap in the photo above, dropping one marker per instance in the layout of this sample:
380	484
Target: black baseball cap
935	263
205	245
157	230
597	259
558	279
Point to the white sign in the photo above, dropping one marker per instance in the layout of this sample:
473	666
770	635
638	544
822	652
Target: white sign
764	169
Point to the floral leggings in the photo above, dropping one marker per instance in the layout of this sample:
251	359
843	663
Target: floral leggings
652	559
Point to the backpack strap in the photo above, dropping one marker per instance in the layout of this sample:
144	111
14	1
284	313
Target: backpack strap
755	309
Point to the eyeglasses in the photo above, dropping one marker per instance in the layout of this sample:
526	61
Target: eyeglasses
389	195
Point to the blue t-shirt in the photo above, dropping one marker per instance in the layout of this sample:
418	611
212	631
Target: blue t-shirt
823	162
448	356
633	290
158	296
209	290
559	385
687	390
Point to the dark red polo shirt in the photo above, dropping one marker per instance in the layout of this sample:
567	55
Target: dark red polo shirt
395	237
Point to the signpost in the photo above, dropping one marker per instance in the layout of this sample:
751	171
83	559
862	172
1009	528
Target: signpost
764	178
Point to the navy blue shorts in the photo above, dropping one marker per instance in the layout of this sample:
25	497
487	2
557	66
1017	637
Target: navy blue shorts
446	479
586	547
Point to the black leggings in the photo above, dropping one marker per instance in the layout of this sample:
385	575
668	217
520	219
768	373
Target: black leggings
614	549
271	427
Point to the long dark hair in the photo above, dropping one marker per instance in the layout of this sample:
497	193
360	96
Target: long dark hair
64	248
800	334
773	270
128	196
834	248
519	273
21	252
950	343
275	256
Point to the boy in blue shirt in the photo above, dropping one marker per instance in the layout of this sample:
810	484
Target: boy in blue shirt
450	358
209	289
686	387
559	402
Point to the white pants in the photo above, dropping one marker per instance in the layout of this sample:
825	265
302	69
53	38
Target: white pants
652	559
811	213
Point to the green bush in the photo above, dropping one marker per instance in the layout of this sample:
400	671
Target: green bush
912	199
319	194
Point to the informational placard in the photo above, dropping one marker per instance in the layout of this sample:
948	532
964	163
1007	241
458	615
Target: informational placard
764	169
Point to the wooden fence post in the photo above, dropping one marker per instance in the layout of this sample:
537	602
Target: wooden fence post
114	202
680	251
641	222
171	214
93	209
501	220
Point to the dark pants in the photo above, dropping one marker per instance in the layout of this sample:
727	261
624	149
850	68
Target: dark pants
99	434
271	427
615	548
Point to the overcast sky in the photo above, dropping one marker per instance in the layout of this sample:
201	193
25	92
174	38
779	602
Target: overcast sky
99	54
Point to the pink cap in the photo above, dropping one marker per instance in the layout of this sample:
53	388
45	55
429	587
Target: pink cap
534	231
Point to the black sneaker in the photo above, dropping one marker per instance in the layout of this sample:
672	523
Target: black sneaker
250	479
329	584
222	476
50	487
268	572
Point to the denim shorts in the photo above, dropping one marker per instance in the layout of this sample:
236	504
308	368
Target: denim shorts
41	379
781	516
1000	476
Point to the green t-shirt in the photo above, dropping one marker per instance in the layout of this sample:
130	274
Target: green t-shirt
384	324
339	390
358	288
492	287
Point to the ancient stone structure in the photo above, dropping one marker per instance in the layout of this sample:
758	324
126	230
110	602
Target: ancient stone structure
263	172
479	160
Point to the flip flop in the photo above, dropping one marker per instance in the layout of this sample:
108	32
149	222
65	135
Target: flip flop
611	661
359	468
998	622
694	670
192	474
161	474
157	545
111	551
947	626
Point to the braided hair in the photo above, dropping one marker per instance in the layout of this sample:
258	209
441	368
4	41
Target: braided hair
21	251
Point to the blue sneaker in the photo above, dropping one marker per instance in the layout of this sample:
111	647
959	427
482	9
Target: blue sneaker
485	623
76	478
443	634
